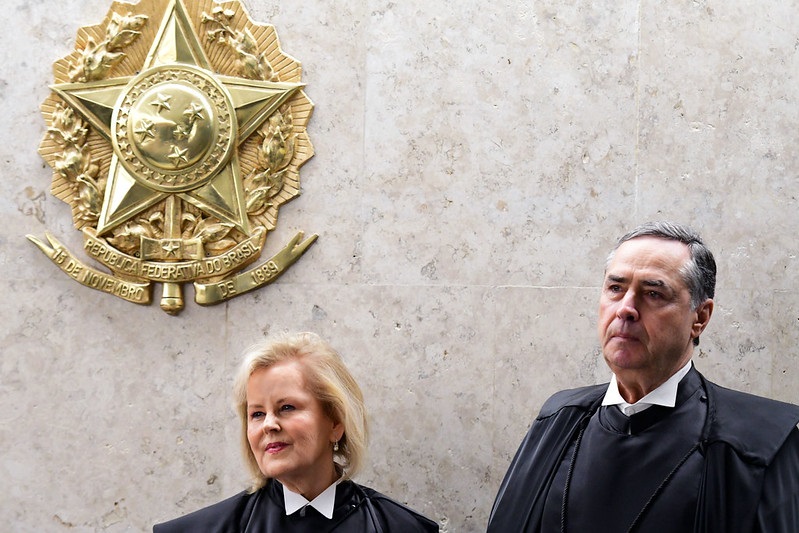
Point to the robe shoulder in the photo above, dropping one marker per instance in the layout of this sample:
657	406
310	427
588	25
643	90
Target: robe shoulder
754	426
396	517
374	512
581	397
221	517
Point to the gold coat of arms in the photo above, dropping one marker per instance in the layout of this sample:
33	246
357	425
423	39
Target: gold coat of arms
175	130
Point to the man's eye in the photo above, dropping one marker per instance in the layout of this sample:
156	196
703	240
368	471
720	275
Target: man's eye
654	294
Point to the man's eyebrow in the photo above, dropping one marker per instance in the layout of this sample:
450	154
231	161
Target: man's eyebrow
616	278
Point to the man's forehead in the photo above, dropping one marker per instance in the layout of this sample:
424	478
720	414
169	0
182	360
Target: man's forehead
653	249
648	258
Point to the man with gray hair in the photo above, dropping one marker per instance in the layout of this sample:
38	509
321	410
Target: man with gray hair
659	449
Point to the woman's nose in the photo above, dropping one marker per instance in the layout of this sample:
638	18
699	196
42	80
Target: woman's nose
270	423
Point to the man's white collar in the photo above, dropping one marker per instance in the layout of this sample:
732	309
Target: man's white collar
323	503
665	394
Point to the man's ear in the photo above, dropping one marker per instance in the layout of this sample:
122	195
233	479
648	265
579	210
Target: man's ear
703	314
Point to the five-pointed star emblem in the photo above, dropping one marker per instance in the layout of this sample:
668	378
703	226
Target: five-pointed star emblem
178	155
213	186
170	247
145	129
162	102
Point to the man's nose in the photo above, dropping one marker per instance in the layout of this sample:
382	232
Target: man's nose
628	307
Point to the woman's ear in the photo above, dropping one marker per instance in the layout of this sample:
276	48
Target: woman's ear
337	432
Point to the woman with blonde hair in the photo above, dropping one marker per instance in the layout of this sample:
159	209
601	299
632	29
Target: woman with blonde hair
304	436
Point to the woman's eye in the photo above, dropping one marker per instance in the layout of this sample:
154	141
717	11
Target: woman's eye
287	407
256	415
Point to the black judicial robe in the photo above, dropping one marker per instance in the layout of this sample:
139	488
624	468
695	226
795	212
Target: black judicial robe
747	453
357	509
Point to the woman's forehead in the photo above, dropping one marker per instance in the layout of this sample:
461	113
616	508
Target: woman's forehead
289	374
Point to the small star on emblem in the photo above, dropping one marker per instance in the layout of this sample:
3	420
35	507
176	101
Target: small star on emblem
194	112
145	130
170	247
162	102
178	156
180	132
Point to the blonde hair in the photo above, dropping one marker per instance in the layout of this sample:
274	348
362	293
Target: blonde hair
328	380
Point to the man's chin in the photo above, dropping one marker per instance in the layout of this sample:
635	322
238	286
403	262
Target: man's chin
621	361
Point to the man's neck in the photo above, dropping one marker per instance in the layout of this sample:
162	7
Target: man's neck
636	393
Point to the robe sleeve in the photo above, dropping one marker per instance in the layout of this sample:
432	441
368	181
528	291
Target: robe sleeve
222	517
520	500
778	511
393	517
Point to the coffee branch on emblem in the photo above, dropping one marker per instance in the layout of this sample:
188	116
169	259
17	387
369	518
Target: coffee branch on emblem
249	63
74	163
97	59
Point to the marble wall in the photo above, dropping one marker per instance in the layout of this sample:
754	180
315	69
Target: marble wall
474	163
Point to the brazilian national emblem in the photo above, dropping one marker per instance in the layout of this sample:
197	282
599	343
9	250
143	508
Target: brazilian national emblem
175	130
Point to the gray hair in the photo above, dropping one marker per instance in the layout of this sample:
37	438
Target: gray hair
699	272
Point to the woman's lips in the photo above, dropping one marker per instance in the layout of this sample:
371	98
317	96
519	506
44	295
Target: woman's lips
276	447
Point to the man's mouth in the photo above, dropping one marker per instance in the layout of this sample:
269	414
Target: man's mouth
624	337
